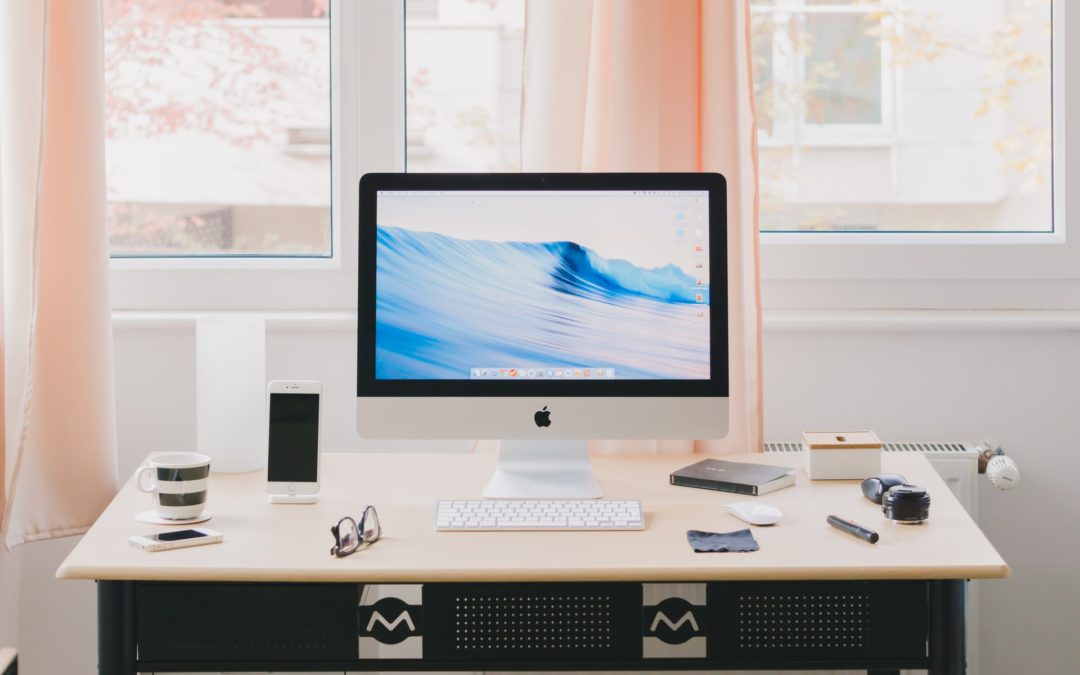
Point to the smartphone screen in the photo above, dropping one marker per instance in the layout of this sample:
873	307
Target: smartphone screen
294	438
177	536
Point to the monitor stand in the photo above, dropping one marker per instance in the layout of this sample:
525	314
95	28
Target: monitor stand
543	470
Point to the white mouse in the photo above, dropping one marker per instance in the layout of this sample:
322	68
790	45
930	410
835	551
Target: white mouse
754	512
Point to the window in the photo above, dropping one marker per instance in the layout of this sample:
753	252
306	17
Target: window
218	127
911	122
463	84
914	116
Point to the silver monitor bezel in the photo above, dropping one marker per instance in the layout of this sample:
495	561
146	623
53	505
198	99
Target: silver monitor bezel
505	409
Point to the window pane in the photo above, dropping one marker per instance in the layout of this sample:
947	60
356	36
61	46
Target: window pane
914	116
463	87
218	127
762	45
844	62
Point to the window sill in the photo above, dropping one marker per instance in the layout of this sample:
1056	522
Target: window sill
774	321
328	320
911	321
822	140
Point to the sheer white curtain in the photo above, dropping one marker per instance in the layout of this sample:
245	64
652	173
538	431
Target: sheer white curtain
657	85
59	420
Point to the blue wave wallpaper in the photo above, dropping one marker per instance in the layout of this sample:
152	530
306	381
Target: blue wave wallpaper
446	306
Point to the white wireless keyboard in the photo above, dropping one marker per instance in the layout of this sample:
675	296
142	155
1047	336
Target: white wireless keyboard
487	515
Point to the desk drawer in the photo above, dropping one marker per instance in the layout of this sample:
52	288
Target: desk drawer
254	623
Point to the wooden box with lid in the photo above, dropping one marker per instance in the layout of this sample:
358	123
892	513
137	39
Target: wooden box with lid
841	455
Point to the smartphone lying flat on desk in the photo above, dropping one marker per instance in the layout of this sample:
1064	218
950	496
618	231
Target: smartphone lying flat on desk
163	541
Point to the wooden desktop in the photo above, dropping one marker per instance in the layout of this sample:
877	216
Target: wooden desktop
896	604
8	663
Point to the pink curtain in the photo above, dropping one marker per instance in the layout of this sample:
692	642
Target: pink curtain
59	421
657	85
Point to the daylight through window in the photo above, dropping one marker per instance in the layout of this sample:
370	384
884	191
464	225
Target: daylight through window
218	127
899	115
912	115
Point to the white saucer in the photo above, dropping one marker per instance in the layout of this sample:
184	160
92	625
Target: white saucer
154	519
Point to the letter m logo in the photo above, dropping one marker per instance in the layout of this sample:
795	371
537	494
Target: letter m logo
674	627
390	621
673	621
391	626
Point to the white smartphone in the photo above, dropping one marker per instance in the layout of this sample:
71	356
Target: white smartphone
292	464
176	539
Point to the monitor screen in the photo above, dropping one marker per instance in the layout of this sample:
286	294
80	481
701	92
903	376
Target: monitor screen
526	285
542	284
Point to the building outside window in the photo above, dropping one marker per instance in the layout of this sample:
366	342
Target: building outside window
904	116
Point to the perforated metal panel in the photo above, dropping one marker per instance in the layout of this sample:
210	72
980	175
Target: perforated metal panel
817	620
801	621
556	626
555	621
546	622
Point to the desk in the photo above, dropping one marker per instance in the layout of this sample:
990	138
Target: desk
8	663
272	598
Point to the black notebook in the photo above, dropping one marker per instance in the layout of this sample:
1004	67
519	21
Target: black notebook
739	477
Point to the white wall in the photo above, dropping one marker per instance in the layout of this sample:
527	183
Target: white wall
1012	379
1017	386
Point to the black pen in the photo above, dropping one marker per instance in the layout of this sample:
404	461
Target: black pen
853	529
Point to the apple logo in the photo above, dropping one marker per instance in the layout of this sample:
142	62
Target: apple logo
542	418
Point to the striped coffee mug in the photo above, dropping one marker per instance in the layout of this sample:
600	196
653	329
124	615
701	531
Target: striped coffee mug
178	482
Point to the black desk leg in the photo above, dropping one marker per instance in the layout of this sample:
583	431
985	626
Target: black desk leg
116	627
947	645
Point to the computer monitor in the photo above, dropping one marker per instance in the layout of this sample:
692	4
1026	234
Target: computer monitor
542	310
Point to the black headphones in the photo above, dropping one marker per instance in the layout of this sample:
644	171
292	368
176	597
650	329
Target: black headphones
900	501
875	487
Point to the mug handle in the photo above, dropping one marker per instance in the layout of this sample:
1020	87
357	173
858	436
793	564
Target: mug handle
144	470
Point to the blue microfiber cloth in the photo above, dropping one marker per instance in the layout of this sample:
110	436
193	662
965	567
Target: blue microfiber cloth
740	541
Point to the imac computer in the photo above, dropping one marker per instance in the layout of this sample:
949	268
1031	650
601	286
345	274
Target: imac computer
542	310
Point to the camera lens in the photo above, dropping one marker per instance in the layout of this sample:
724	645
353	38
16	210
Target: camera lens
906	504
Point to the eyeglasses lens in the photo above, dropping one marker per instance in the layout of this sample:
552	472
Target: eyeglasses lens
370	523
347	536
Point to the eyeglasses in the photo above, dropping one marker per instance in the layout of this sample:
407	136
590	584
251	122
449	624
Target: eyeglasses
349	536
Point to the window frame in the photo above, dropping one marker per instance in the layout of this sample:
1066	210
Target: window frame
918	270
359	43
813	270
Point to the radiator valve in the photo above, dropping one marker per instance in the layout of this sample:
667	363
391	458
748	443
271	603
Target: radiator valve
998	467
